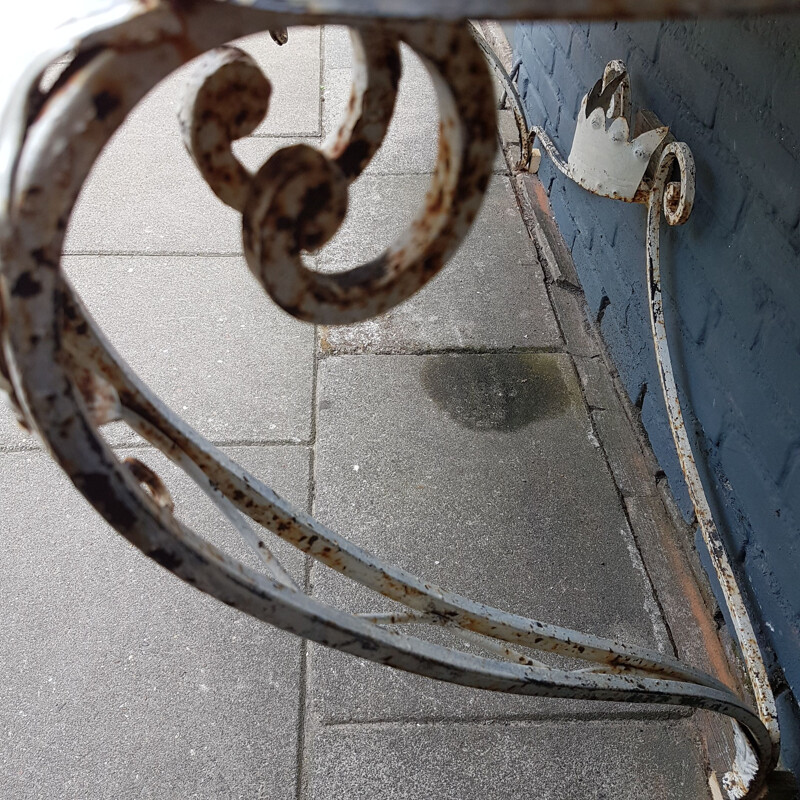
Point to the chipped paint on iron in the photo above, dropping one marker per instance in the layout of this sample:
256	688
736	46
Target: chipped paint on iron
66	380
298	199
675	198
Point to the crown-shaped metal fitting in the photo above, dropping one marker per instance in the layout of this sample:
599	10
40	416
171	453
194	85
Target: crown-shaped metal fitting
603	159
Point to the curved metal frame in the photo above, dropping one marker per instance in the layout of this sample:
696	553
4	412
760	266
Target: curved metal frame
66	381
674	199
669	189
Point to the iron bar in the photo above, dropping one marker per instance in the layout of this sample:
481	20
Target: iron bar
65	381
662	193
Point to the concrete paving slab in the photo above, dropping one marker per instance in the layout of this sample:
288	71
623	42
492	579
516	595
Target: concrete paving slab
479	473
490	295
295	72
596	382
624	452
412	140
146	196
336	50
12	435
206	338
571	310
293	69
634	472
119	679
556	254
552	761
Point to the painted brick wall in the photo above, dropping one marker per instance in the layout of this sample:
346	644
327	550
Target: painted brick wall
731	90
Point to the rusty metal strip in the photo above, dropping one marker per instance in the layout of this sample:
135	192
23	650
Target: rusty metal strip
675	199
271	564
461	10
226	99
511	94
405	652
66	380
154	422
147	478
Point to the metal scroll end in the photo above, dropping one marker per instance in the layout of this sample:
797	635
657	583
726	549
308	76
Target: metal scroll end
280	35
736	782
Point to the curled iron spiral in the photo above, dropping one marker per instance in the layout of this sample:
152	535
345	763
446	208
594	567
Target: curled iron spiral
66	381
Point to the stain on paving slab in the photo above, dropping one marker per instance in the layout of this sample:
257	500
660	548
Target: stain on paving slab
497	392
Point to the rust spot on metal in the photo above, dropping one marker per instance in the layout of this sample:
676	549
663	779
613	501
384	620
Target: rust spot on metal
26	286
99	490
105	103
145	476
167	560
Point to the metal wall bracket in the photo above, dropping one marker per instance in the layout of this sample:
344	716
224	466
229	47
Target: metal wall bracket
659	172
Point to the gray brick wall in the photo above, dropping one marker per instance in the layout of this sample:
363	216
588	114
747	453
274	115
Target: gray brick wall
730	89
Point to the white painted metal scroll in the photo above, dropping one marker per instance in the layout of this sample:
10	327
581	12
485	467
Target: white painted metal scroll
65	381
606	162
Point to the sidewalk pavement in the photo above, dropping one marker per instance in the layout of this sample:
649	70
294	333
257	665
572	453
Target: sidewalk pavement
472	435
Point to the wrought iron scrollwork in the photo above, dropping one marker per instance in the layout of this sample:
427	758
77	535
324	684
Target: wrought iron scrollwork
66	381
659	172
298	198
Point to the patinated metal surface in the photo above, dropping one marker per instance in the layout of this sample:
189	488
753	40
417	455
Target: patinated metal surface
65	381
674	199
667	185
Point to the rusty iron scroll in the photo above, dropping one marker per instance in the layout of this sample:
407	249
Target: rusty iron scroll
65	381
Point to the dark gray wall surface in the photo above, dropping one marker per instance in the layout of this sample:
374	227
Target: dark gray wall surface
731	90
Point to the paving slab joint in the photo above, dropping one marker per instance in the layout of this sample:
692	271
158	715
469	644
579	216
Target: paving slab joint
538	216
642	714
326	351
